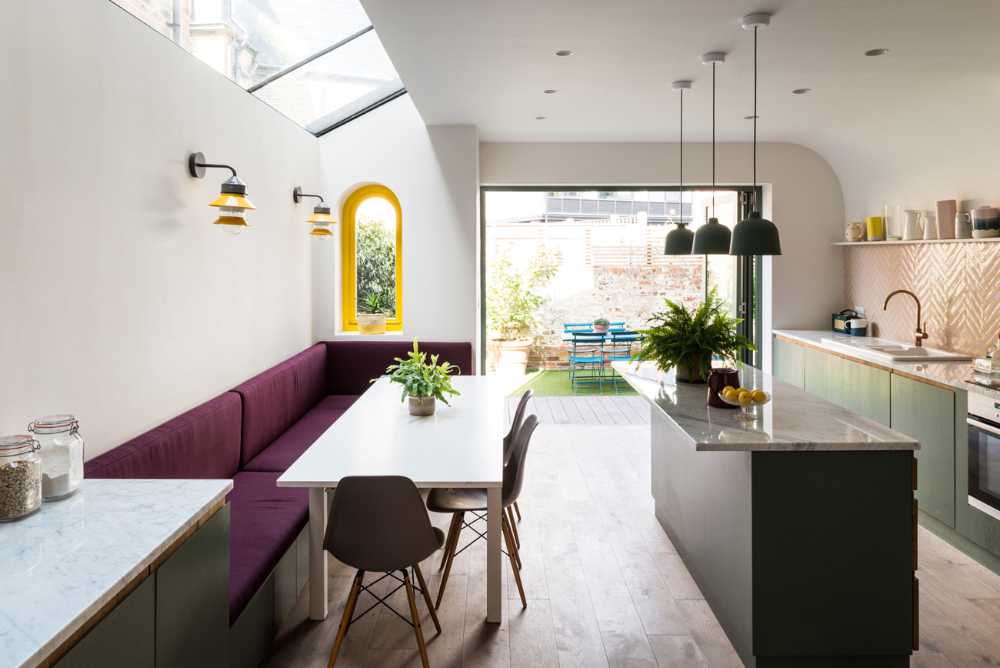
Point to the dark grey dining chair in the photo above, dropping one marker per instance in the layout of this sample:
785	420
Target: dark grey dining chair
462	501
378	524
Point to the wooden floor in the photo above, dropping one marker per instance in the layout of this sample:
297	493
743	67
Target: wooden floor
592	410
605	585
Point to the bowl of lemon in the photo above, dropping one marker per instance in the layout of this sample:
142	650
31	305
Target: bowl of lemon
748	400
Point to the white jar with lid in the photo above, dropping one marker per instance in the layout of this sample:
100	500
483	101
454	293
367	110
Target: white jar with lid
62	454
20	477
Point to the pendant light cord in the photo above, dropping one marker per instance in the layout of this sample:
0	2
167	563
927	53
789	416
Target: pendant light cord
755	117
680	213
713	139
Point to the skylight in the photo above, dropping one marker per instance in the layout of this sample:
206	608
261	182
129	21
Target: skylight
319	62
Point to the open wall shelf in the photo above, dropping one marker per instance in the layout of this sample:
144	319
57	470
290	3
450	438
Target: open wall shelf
918	241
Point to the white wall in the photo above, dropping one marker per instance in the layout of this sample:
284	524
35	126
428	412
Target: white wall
802	196
121	302
434	172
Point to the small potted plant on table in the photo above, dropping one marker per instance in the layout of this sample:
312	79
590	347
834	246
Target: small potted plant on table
601	325
423	382
371	314
686	340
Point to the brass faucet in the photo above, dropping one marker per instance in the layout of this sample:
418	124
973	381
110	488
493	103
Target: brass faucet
920	334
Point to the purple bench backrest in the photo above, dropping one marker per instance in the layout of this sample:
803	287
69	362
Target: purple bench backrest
352	364
201	443
275	399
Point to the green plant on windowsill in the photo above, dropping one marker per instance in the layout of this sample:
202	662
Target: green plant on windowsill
372	313
423	382
688	339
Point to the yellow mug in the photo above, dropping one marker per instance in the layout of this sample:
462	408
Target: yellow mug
876	228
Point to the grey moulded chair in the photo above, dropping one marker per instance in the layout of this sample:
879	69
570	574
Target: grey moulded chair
459	502
508	442
378	524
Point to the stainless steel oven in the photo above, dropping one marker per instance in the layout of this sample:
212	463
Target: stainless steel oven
984	454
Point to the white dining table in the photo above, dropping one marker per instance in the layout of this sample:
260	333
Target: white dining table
459	446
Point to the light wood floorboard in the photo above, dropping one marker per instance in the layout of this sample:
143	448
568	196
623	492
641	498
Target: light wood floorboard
605	586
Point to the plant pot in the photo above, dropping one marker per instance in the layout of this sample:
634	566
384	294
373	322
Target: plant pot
691	369
422	406
600	329
514	357
371	323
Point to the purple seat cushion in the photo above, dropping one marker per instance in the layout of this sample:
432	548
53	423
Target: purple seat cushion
264	522
201	443
275	399
286	449
352	364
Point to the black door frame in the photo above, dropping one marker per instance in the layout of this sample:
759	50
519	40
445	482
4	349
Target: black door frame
749	279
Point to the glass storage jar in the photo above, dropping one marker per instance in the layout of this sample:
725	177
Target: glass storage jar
62	454
20	477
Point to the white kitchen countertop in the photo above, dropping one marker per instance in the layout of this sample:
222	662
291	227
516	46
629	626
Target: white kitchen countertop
59	566
952	374
793	420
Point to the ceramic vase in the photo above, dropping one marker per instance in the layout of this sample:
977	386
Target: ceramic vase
946	210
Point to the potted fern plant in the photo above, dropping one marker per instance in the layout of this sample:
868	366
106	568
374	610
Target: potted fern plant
423	382
687	340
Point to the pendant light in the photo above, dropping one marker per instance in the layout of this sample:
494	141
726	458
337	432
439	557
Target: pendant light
756	235
680	239
712	238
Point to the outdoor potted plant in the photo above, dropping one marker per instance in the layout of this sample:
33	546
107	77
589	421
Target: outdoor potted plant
687	340
423	382
371	314
601	325
513	299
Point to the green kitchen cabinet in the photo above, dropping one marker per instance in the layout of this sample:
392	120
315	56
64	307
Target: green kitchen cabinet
789	362
123	638
822	374
927	413
864	389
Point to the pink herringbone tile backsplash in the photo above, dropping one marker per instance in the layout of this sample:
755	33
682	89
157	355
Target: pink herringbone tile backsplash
958	285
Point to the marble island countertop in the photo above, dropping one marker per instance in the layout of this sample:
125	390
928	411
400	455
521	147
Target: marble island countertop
793	420
950	374
59	566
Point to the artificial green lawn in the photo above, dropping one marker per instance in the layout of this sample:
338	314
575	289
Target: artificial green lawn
556	384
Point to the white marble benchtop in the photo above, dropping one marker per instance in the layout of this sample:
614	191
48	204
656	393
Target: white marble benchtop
793	420
59	566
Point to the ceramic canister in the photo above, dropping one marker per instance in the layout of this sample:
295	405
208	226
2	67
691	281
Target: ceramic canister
854	232
946	210
876	228
985	222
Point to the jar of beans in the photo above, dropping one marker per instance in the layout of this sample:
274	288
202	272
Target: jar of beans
62	454
20	477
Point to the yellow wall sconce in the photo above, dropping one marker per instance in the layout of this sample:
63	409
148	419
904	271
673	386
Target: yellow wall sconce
320	219
232	201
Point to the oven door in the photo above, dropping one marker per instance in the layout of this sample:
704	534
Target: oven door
984	465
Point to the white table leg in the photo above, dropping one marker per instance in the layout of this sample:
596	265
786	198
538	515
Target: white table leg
494	602
318	508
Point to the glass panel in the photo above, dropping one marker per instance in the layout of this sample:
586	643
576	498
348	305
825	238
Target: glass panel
336	85
376	256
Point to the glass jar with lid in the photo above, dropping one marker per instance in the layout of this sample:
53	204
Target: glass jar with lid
20	477
62	454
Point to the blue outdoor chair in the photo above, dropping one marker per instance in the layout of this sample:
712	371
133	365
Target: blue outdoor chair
586	358
618	348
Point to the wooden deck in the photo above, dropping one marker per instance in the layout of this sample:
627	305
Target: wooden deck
592	410
605	586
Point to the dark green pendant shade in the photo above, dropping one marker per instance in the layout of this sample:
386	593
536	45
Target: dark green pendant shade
712	238
679	241
755	236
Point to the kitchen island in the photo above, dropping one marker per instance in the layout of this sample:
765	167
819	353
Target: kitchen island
799	527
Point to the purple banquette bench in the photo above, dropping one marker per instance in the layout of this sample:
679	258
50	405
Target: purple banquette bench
252	434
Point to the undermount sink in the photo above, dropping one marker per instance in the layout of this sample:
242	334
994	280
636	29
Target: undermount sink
893	351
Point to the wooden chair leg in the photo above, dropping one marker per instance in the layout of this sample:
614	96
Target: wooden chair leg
448	562
513	526
345	621
453	530
508	538
415	616
427	596
517	509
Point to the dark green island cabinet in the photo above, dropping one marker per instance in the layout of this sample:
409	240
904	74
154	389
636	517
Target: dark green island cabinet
934	413
799	528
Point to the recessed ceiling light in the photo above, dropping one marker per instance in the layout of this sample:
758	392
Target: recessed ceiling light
549	91
801	91
876	52
564	52
540	118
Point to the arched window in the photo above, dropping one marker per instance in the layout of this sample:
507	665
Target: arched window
372	256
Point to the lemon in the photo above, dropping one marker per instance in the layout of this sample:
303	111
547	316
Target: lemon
744	398
730	393
758	396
